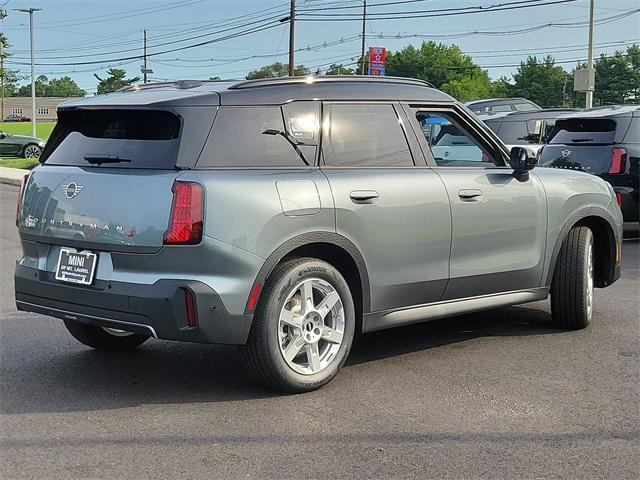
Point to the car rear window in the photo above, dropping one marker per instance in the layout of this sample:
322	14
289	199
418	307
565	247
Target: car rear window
580	131
114	138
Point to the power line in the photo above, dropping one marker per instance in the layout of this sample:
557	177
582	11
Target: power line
326	17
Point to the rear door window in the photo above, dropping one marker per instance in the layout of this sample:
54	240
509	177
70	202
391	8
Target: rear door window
583	131
116	138
365	136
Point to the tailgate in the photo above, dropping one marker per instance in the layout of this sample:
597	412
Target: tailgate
108	209
594	159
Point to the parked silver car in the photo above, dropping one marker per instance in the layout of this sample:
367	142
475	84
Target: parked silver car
289	215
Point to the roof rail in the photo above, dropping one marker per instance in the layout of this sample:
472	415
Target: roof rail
181	84
310	79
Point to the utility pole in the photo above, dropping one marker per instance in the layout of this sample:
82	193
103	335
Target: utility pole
144	61
31	11
1	81
589	99
364	25
292	30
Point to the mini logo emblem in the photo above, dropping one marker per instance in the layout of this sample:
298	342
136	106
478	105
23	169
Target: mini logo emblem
72	189
565	153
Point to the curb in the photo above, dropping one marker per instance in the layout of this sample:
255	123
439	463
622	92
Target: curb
12	176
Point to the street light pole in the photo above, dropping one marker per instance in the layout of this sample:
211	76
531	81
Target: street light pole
589	96
31	11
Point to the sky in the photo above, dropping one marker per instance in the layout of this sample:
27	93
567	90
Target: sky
103	34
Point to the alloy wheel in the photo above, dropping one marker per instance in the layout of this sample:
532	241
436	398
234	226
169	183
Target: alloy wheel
311	326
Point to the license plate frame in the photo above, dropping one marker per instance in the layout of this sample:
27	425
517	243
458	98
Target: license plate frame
80	270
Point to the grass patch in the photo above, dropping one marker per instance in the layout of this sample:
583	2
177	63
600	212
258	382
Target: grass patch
26	163
43	129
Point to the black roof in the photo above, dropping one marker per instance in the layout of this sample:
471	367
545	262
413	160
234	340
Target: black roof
607	111
271	91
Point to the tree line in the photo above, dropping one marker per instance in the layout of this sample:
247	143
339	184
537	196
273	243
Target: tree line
446	67
541	80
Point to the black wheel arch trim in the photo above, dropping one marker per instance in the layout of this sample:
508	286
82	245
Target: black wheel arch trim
318	237
613	270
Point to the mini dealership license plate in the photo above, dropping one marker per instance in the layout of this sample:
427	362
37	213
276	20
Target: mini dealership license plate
76	267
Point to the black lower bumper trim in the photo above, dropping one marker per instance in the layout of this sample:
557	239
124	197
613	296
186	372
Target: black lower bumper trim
157	309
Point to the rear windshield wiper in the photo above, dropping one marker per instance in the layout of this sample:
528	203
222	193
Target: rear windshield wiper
580	140
100	159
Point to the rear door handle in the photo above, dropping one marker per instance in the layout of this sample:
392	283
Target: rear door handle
364	196
470	195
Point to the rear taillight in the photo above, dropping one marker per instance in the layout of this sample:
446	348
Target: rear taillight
23	187
619	199
185	224
190	305
618	161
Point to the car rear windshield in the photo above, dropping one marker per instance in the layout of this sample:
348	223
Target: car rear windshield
114	138
579	131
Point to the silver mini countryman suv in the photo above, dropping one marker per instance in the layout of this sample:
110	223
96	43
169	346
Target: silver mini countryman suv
288	215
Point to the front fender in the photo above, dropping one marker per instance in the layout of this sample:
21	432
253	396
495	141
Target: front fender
574	197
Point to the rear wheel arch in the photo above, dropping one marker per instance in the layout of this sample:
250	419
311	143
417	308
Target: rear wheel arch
334	249
605	238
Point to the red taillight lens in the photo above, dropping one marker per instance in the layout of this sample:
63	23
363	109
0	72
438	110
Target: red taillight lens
618	161
190	305
185	225
23	186
619	199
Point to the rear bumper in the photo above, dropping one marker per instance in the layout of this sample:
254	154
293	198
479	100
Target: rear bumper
157	309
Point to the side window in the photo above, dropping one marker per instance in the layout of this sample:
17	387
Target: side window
303	121
633	134
238	139
500	108
450	144
364	136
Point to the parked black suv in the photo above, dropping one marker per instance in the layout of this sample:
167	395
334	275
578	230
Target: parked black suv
525	129
602	141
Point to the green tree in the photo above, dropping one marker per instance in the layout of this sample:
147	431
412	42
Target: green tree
64	87
444	66
541	81
618	77
339	69
8	78
115	81
56	87
277	69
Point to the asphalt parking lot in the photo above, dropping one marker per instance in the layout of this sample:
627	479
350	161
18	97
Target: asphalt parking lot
499	394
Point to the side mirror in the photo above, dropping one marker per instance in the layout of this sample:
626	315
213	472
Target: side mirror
520	160
3	135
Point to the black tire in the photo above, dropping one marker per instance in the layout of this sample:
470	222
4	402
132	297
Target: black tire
100	339
31	150
262	356
572	285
